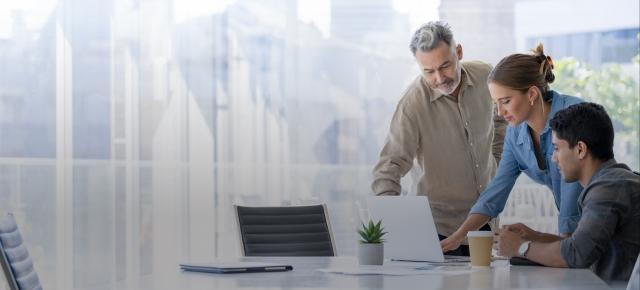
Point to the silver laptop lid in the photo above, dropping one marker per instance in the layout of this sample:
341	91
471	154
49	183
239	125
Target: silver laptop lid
411	231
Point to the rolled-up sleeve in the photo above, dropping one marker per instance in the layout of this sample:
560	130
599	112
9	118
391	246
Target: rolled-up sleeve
396	157
492	200
602	210
499	129
569	214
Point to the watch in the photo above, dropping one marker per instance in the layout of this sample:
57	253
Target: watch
524	247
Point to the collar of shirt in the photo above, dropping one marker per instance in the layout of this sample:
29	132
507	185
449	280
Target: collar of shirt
607	164
523	128
464	82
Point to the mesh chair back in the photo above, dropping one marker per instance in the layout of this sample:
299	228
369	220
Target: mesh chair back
285	231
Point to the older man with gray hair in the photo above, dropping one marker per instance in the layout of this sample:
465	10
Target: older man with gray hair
446	120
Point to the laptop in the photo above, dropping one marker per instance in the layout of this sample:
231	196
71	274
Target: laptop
411	231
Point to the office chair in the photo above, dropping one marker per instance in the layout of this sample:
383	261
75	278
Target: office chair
14	257
285	231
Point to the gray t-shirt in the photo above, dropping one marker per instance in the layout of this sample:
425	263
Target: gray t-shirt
607	238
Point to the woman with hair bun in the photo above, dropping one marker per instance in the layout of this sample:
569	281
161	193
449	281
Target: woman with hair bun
519	86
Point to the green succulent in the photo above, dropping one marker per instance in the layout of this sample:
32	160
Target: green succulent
372	233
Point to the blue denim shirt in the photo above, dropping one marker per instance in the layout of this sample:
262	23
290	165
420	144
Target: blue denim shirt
518	156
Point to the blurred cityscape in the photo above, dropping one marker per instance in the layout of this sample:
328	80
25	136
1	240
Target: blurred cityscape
127	131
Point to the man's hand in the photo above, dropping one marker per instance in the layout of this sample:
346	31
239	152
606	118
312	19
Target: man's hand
525	232
507	242
529	234
451	243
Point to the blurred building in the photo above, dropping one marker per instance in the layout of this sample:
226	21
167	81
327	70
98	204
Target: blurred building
593	36
484	28
372	24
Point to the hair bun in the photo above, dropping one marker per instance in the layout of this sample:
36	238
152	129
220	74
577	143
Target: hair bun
545	66
549	76
539	51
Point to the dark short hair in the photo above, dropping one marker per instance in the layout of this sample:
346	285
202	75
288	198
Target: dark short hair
586	122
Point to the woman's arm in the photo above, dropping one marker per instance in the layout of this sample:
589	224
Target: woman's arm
472	223
492	200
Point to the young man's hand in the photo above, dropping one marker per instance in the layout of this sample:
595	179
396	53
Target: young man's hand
525	232
507	242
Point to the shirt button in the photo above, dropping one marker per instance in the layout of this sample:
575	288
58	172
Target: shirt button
471	143
477	165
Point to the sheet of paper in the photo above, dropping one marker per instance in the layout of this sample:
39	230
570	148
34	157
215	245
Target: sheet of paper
447	270
399	270
373	270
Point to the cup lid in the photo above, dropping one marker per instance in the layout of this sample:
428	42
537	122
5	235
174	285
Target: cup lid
480	234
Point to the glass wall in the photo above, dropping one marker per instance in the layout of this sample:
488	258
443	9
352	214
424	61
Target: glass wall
129	128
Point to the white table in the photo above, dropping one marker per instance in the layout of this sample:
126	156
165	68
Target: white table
305	276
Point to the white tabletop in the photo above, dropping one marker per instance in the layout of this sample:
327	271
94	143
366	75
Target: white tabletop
305	276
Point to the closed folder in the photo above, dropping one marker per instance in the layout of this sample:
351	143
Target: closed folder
235	267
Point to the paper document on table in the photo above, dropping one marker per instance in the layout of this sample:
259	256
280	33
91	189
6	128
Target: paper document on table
447	270
430	265
373	270
397	270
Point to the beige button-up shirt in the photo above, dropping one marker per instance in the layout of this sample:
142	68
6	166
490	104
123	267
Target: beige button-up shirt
453	141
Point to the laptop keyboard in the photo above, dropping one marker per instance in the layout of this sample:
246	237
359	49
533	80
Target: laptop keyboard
450	258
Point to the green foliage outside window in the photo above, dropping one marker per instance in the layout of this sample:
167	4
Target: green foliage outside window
616	88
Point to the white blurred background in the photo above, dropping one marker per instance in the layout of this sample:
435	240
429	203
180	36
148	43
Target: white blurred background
128	128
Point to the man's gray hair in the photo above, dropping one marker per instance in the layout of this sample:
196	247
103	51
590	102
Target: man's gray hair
429	36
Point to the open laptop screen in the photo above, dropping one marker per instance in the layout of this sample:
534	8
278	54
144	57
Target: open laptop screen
411	231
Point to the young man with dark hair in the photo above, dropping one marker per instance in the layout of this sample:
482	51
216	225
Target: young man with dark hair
607	238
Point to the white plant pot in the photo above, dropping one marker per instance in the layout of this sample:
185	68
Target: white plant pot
370	254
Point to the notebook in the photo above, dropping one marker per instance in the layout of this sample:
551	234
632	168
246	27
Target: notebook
235	267
521	261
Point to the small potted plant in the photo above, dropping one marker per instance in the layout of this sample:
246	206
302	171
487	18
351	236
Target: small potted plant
371	247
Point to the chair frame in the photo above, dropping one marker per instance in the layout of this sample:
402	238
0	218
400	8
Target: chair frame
326	217
635	274
6	269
